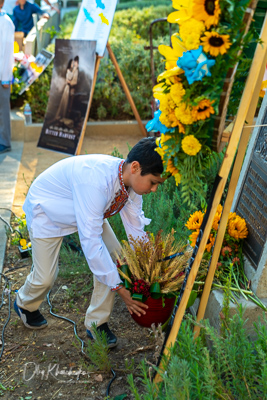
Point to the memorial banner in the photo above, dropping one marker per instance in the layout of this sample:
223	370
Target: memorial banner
94	22
70	92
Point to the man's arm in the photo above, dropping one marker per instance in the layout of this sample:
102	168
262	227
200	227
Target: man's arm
52	7
37	10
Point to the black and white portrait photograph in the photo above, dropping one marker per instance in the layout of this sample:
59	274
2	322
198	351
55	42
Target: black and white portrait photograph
70	91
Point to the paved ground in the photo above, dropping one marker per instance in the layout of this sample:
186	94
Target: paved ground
26	161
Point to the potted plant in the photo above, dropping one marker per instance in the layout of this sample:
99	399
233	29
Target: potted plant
152	269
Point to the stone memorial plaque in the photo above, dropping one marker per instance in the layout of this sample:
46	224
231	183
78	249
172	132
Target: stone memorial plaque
251	200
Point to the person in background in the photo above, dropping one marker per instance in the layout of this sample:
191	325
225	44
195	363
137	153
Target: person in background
6	73
9	6
22	16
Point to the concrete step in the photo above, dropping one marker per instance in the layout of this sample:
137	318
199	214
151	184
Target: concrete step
31	133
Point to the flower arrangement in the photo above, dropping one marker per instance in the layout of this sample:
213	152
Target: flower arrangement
153	266
210	36
230	266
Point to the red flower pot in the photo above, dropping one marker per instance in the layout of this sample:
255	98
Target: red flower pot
156	313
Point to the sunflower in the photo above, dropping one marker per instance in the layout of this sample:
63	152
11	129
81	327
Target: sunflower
191	145
217	217
215	44
237	228
195	220
173	171
207	11
193	238
203	110
210	242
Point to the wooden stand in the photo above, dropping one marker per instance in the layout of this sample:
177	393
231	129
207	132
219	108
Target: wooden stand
245	114
126	91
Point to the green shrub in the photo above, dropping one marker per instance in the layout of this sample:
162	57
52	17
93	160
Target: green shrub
236	367
129	35
136	21
141	4
38	94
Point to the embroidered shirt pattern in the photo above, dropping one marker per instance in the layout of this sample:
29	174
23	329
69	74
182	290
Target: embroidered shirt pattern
120	198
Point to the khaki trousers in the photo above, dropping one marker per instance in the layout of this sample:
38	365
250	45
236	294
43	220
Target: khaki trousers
45	255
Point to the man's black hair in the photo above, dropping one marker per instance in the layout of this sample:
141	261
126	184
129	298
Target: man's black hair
149	160
76	58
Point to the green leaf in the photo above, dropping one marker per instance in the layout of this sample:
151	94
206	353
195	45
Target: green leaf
120	397
192	298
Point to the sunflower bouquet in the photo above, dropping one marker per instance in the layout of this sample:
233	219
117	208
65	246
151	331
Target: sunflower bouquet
208	42
230	266
154	266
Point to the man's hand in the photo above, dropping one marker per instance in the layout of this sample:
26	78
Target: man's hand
5	85
46	16
133	306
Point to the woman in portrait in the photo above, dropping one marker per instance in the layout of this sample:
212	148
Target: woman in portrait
63	106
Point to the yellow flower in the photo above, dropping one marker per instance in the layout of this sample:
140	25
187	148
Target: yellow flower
36	68
184	114
175	122
203	110
217	217
210	242
207	11
263	88
195	220
172	54
232	215
16	47
165	120
177	92
178	178
215	44
159	88
167	107
22	242
237	228
160	151
164	139
171	168
191	145
190	32
170	73
193	238
184	13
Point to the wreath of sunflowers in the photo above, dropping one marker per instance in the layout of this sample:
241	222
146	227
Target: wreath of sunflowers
209	37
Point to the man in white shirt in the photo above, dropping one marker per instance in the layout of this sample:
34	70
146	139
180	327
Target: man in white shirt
78	194
7	30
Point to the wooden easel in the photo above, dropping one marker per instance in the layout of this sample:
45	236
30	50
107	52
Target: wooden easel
245	115
126	91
